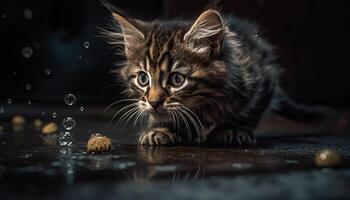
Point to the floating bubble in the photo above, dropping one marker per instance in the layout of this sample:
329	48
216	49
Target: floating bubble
43	112
82	108
28	14
65	139
27	52
48	71
9	101
29	102
86	44
2	110
54	114
28	86
70	99
68	123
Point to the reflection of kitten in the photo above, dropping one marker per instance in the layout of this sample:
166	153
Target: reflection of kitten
203	82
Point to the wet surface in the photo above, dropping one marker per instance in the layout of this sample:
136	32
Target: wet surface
34	165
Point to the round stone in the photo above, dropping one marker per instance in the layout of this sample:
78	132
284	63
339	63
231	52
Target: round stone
328	158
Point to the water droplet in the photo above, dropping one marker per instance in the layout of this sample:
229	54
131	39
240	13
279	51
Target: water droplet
29	102
28	86
68	123
86	44
48	71
256	33
27	155
28	14
54	114
27	52
82	108
2	110
65	139
9	101
70	99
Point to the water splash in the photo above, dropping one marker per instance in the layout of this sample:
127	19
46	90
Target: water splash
65	139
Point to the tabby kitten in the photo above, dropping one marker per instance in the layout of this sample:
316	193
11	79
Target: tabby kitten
207	81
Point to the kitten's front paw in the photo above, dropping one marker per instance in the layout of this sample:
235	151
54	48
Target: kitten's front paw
157	137
233	138
245	138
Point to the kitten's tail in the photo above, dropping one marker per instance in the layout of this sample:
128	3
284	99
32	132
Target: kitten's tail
288	108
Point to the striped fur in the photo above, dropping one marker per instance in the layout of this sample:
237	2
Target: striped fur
230	76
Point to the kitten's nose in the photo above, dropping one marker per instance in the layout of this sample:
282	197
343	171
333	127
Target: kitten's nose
155	103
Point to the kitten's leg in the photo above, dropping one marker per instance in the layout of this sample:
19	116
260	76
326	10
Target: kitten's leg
232	138
158	137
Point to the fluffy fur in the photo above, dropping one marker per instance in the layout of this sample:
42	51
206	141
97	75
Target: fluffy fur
207	81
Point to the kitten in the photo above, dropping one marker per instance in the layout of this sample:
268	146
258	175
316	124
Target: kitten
207	81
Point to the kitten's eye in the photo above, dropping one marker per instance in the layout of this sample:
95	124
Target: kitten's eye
142	79
177	79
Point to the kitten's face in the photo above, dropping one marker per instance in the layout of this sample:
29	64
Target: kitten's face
172	66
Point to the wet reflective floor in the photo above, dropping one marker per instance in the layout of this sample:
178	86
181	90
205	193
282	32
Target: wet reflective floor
33	165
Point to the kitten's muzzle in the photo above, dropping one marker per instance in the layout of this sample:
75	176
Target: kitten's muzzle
155	103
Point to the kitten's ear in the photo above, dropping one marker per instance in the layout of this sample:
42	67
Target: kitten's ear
208	27
131	31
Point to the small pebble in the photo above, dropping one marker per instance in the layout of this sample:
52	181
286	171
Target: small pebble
49	128
18	123
18	120
328	158
99	143
38	124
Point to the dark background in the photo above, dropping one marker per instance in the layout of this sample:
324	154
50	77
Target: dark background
311	37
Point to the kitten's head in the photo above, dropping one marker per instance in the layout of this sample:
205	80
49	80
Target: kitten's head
171	64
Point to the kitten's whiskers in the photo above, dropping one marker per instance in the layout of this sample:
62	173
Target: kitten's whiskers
122	109
120	101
